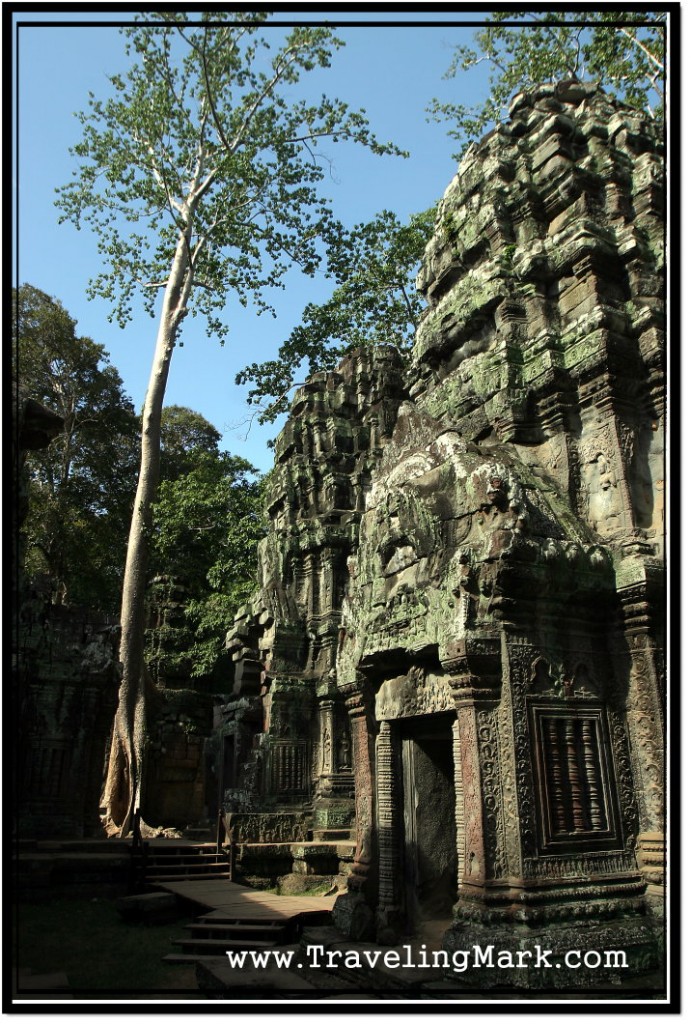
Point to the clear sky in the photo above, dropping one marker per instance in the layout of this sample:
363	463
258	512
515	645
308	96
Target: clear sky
393	72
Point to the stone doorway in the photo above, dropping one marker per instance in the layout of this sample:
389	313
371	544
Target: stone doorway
429	820
229	771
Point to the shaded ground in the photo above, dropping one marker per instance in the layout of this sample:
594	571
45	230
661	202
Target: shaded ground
87	940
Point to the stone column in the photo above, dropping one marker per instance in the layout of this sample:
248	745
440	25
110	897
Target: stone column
364	775
388	837
460	801
640	587
476	686
473	872
352	912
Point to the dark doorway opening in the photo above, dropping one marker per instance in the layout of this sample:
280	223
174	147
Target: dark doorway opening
229	766
429	802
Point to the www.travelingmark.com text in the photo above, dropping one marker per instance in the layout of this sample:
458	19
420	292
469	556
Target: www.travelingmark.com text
406	956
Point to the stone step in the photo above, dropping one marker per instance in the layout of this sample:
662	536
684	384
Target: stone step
189	958
182	865
198	860
219	946
245	923
273	928
73	845
152	907
204	875
189	854
169	847
28	982
215	976
182	869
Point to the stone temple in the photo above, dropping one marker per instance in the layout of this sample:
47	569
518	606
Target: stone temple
456	648
455	653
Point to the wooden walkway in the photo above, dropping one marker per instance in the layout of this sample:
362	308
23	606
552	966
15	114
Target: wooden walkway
229	901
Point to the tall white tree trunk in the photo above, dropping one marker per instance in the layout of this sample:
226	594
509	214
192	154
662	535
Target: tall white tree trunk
123	785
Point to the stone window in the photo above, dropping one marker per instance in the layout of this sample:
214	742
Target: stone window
288	768
575	800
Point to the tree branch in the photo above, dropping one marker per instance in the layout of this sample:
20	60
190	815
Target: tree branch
232	147
632	37
551	32
411	316
172	203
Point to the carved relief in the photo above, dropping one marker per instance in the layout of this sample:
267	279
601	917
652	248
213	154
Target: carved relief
419	692
492	795
387	824
474	855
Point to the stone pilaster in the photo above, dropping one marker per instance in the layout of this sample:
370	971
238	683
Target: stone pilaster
640	587
353	911
389	834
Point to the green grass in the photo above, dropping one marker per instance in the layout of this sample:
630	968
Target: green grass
88	941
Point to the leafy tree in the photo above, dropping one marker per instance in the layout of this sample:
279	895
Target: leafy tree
206	526
622	50
207	149
374	302
206	523
81	487
186	436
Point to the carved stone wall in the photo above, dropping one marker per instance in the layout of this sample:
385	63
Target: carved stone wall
483	544
283	645
511	547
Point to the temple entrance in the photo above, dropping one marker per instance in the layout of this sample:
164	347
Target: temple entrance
429	801
229	767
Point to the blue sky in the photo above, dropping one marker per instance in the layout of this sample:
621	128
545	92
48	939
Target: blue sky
392	72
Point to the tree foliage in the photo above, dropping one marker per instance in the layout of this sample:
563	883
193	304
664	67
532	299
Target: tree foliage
186	436
205	143
374	302
622	50
206	524
81	486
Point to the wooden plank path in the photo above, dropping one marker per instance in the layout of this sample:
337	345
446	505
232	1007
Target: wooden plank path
229	901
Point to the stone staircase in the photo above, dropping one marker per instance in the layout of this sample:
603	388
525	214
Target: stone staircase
210	939
173	862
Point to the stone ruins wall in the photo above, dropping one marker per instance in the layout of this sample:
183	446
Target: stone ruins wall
510	559
285	737
470	557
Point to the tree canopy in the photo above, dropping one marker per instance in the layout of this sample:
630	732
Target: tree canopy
81	487
374	302
206	523
186	436
206	145
622	50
